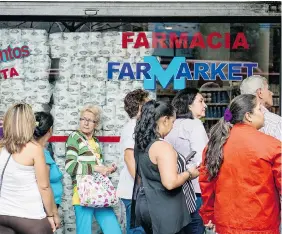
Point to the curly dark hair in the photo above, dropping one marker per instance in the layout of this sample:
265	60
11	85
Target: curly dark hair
133	100
146	126
181	102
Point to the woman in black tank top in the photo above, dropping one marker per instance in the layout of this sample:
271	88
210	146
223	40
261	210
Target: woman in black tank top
158	203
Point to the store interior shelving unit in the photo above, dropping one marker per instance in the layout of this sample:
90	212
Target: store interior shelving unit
217	100
276	99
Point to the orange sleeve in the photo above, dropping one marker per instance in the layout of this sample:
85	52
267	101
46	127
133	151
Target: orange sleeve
272	154
275	158
208	193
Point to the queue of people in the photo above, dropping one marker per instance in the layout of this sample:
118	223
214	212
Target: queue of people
176	178
239	188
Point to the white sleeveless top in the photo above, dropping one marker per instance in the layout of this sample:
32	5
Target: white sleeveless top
20	195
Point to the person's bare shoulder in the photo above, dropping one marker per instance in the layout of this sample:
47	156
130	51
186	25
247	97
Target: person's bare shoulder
161	146
33	148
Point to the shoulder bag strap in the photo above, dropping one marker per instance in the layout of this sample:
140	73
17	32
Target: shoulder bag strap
2	175
90	148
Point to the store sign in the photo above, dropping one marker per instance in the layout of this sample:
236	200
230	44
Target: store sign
178	71
214	40
11	54
8	73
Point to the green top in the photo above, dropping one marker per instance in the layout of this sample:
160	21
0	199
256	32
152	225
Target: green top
79	159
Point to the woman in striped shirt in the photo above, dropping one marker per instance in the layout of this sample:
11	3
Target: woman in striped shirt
81	161
187	135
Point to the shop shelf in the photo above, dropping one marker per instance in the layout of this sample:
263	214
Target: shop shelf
216	89
217	104
165	94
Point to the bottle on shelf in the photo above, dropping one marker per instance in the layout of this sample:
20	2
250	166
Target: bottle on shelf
208	112
219	99
224	97
219	114
214	114
213	97
223	110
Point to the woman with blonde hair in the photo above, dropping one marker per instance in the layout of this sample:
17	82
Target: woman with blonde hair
24	186
84	157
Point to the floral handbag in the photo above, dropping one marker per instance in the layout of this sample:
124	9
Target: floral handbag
96	190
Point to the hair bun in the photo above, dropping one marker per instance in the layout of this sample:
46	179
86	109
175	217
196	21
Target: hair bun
44	121
37	132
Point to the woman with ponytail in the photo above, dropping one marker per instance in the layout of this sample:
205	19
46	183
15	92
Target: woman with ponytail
240	178
158	203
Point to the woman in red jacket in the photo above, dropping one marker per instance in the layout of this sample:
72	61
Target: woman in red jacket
240	178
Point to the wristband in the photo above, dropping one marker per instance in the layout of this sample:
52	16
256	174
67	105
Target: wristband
190	175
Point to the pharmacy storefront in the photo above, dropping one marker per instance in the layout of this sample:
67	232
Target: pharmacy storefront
60	56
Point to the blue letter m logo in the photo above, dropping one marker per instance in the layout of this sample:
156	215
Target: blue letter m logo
164	76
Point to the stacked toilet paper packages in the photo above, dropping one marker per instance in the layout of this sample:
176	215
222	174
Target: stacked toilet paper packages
31	85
